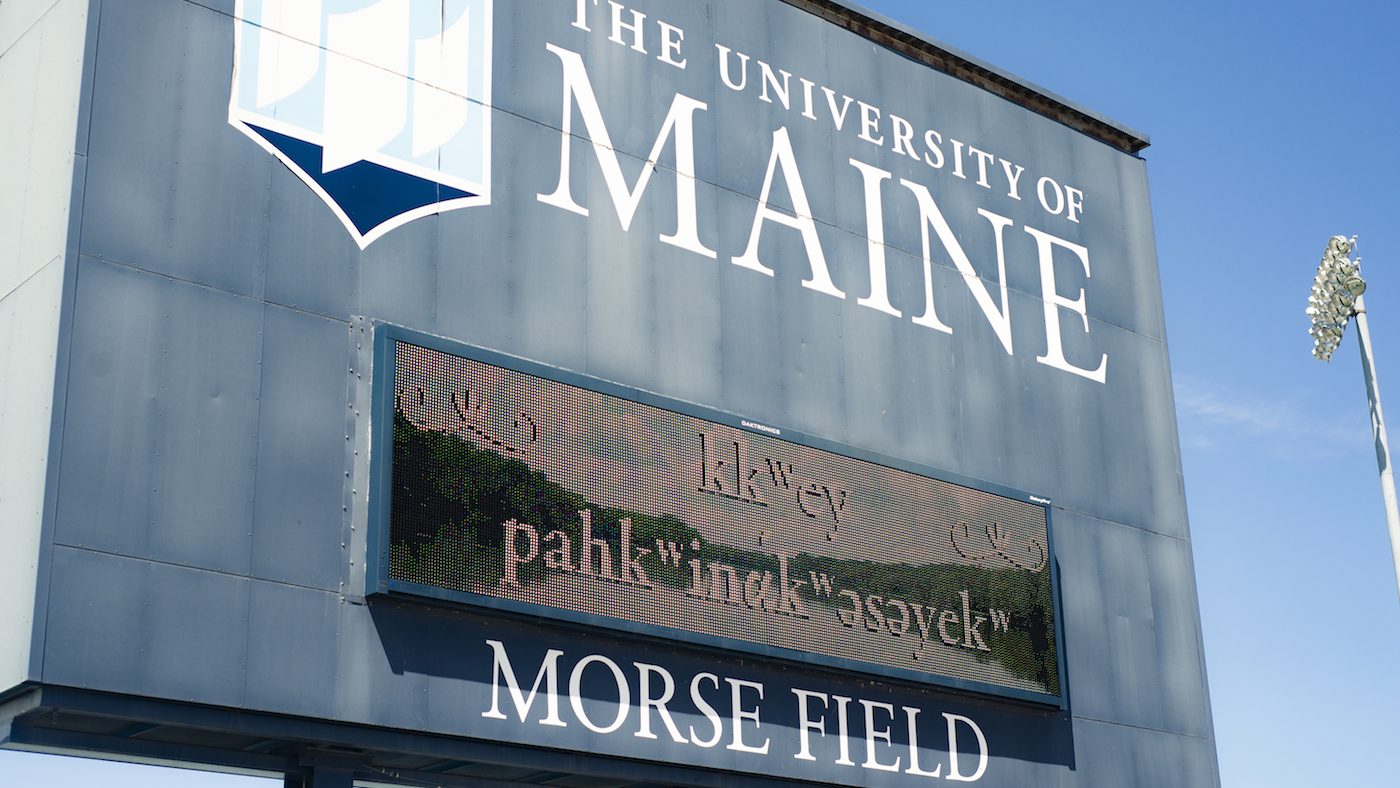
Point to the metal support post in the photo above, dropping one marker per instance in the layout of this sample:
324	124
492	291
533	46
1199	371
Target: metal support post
324	768
1387	470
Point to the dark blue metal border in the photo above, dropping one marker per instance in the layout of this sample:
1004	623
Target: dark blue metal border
377	580
381	451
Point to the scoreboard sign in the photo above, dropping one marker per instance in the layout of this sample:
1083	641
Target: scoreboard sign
512	485
597	391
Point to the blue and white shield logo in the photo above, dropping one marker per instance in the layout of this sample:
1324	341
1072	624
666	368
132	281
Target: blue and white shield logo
383	107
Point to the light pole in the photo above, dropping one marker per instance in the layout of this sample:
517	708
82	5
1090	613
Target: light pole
1337	298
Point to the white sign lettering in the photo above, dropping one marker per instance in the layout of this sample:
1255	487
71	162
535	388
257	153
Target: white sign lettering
891	739
793	222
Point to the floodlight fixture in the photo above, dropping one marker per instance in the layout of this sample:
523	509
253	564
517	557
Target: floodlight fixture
1336	298
1333	301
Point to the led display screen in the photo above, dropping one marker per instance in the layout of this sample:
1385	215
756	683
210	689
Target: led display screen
520	491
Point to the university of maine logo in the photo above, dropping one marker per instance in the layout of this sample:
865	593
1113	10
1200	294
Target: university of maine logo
383	107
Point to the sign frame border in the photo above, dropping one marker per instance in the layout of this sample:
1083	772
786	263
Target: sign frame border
378	583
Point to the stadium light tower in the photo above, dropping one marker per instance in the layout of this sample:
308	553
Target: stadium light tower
1337	298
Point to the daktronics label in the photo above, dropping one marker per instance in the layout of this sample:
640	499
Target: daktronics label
520	491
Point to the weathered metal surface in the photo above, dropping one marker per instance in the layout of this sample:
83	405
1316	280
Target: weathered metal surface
210	526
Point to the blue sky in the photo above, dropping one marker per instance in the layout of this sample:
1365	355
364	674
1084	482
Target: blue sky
1274	126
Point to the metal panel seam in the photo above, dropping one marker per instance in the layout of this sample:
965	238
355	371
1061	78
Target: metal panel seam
1147	728
253	507
30	29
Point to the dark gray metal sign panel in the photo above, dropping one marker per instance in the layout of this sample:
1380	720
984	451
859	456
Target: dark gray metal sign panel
739	205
